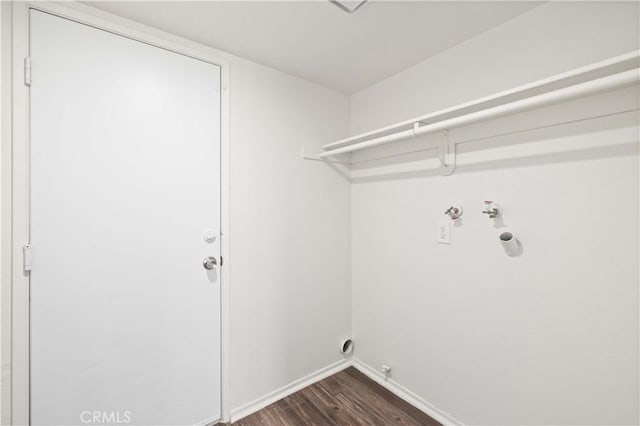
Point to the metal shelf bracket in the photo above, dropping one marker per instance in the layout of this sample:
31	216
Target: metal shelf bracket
447	155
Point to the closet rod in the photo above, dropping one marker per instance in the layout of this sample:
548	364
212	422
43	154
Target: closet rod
602	68
603	84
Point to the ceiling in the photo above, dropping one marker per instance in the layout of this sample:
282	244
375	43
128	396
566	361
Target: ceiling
318	41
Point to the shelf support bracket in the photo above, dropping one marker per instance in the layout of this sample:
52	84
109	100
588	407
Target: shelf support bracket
447	155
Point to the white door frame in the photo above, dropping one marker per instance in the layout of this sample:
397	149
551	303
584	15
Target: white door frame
19	197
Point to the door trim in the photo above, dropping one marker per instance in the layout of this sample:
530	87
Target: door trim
18	198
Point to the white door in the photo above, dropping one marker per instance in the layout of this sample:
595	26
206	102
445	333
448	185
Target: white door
125	186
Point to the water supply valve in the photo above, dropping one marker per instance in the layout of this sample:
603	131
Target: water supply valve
454	212
491	209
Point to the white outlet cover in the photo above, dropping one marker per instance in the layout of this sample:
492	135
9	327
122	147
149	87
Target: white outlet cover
443	232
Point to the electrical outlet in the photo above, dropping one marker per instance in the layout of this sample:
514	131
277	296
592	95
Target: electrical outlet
443	233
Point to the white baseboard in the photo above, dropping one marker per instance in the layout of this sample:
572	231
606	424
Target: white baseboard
400	391
404	393
287	390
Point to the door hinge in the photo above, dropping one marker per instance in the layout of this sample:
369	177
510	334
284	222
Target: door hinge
221	260
26	257
27	71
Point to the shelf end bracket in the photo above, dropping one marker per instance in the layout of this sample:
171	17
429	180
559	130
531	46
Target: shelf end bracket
323	160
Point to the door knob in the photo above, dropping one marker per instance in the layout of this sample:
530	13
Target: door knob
209	262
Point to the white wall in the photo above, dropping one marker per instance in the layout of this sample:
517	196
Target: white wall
290	252
550	337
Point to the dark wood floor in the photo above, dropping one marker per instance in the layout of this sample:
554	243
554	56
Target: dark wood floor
346	398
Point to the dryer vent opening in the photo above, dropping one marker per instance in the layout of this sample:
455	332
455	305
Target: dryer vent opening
346	347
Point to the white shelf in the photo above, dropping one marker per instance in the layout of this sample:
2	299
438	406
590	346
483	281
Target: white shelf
601	76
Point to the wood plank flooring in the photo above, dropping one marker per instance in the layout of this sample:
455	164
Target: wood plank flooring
346	398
